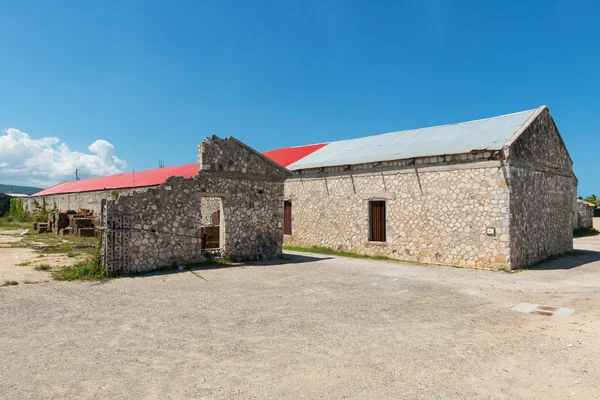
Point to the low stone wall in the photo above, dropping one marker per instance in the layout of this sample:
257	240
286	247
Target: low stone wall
75	201
435	214
166	222
585	215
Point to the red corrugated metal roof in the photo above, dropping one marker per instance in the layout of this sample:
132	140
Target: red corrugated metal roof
158	176
150	177
290	155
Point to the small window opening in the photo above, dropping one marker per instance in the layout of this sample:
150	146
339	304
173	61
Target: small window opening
287	217
377	221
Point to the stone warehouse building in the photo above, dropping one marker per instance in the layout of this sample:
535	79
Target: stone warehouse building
498	192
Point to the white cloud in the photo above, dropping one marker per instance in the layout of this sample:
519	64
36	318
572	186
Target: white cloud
46	161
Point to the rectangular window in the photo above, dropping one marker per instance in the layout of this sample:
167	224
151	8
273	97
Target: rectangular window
287	218
377	221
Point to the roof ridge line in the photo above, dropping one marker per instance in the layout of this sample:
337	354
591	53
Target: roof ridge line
442	125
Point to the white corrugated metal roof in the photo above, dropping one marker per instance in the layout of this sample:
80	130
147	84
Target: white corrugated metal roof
16	194
483	134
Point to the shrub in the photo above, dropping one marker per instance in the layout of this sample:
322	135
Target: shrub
89	270
16	211
40	213
4	204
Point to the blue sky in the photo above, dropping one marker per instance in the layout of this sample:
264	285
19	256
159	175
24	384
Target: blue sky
145	80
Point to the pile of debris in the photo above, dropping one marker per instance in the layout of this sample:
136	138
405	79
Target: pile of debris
75	223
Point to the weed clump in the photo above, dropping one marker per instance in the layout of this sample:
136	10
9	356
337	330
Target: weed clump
88	270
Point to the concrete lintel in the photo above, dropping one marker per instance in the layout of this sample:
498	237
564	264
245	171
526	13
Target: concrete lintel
200	195
379	196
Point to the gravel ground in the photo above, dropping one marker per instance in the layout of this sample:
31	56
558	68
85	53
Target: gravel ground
308	327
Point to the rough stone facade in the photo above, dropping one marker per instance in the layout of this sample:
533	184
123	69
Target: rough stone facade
543	193
435	214
585	214
163	225
497	209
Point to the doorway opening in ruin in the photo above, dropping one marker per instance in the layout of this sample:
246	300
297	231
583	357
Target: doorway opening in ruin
211	237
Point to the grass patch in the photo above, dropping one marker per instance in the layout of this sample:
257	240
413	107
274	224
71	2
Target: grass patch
6	223
585	232
43	267
331	252
89	270
10	283
31	282
24	264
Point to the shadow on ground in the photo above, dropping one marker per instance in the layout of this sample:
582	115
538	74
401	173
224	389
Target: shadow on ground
284	260
585	232
291	259
570	260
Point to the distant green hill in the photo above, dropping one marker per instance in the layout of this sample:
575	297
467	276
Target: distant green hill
19	189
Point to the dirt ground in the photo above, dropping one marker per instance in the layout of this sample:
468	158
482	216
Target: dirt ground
11	257
309	327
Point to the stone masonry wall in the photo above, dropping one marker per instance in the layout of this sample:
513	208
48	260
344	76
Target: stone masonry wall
542	210
435	213
229	156
541	144
165	221
543	193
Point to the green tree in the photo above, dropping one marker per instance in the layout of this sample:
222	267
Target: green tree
593	199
